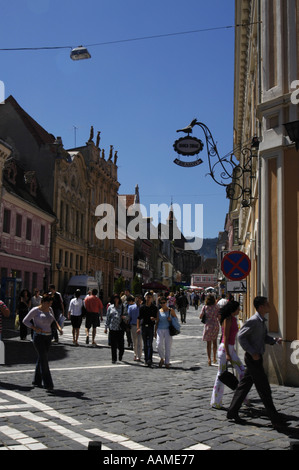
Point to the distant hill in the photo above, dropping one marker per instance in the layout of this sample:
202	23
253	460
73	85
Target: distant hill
208	249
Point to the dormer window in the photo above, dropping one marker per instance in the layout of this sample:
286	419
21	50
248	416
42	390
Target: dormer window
33	187
11	172
30	180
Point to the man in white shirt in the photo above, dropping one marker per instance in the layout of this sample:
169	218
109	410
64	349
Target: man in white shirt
222	301
75	315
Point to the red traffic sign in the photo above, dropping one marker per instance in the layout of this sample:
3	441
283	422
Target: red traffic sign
236	265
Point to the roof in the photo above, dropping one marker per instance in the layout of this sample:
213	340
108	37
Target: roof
41	136
22	190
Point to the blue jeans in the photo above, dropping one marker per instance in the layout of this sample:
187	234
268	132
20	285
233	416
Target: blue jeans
148	337
42	374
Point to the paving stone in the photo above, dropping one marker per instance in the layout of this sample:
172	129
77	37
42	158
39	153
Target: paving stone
158	408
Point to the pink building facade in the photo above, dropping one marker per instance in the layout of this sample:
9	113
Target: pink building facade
25	229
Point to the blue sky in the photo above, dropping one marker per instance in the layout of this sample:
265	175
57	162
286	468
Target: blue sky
137	93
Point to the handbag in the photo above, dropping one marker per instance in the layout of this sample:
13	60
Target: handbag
61	320
174	327
229	379
203	320
17	322
123	322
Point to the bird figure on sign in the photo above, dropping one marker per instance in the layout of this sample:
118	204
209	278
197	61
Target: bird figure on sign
188	129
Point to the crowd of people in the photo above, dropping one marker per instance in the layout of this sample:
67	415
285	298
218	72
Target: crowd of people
141	319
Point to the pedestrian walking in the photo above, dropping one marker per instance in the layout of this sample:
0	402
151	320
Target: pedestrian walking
35	302
36	298
252	337
75	315
222	301
23	307
148	313
171	300
124	298
114	318
94	311
57	307
133	313
226	350
164	340
4	311
196	300
40	319
182	303
211	329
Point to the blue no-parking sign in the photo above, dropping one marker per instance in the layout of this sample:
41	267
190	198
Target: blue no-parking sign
236	265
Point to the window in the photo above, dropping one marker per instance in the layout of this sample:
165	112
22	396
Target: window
28	229
27	280
6	220
77	224
66	226
34	281
19	225
42	234
61	214
82	226
236	231
3	272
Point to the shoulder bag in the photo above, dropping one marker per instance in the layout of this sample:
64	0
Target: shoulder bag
203	319
229	379
174	326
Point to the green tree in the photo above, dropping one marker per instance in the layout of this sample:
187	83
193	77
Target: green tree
119	285
136	286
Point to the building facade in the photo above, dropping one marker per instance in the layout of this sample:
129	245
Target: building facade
266	225
124	246
73	183
25	229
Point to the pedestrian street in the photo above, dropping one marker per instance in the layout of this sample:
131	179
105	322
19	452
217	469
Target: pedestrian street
127	405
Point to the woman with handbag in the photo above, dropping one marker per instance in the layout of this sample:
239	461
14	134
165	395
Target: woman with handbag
226	350
115	321
162	334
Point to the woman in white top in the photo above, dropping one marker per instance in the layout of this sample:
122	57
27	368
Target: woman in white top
40	319
75	315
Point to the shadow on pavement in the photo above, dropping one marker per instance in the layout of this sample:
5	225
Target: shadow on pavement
291	432
19	352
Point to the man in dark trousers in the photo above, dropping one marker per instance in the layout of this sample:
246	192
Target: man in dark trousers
252	337
148	314
57	307
182	303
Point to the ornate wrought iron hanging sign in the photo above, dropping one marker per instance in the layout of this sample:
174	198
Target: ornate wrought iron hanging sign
235	177
188	146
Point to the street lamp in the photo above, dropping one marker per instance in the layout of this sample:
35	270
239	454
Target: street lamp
79	53
236	178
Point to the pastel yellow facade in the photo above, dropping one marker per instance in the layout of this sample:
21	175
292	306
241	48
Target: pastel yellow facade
84	179
266	70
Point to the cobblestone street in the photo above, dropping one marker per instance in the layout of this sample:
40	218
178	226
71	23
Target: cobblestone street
129	406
